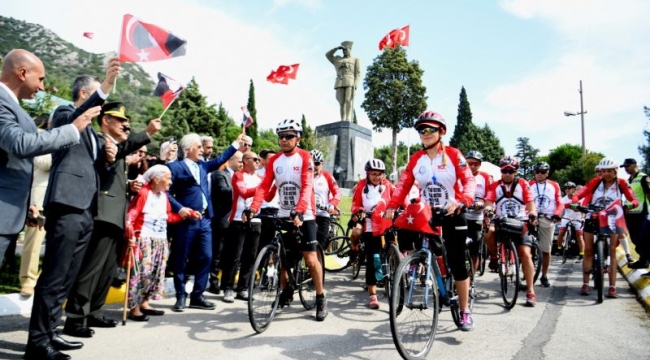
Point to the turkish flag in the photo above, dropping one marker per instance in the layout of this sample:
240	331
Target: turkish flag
379	224
278	78
416	218
141	42
289	71
397	36
611	220
89	35
167	89
247	120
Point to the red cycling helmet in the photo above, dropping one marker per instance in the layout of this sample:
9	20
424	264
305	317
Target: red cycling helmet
509	161
431	118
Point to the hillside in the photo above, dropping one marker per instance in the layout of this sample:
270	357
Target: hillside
64	61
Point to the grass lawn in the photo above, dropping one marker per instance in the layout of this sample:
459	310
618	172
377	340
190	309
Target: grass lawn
345	205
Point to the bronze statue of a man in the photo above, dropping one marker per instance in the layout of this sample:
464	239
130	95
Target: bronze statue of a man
348	75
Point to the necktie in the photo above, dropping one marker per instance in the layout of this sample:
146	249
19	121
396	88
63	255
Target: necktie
197	177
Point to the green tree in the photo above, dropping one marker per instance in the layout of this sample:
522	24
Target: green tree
644	150
385	154
527	156
395	95
464	138
191	113
41	105
488	144
307	138
267	139
252	130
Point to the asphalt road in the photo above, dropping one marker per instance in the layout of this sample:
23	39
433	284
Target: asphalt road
563	325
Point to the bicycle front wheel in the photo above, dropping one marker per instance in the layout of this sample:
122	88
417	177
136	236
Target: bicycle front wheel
306	288
338	256
599	265
392	259
414	327
538	258
509	274
470	274
482	256
565	245
264	288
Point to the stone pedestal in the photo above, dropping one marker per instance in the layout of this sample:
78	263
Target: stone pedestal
349	148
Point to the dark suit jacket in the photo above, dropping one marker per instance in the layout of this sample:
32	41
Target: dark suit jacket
221	197
73	178
185	192
113	189
19	143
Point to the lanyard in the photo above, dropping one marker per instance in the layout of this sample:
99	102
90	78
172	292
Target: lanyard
539	195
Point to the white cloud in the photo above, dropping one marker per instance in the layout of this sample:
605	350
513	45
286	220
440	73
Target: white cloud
602	43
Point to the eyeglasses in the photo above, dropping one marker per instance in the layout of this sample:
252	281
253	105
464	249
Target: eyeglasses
254	159
429	130
375	174
286	136
507	171
541	171
473	163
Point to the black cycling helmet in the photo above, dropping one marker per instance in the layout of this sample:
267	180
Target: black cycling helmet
569	184
474	155
543	166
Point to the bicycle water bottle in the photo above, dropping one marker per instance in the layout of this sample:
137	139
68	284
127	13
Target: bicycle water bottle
379	274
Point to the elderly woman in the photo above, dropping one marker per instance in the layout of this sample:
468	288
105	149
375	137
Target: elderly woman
146	229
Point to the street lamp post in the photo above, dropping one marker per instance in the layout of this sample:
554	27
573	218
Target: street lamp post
582	118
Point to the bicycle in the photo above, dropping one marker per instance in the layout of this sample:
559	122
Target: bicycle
601	249
535	252
338	251
420	289
264	287
508	229
570	242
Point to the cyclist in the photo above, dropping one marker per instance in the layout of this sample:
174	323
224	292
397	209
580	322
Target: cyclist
602	191
441	171
512	197
474	214
292	169
328	196
369	192
548	200
575	217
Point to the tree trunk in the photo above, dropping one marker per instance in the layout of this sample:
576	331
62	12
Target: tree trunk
394	165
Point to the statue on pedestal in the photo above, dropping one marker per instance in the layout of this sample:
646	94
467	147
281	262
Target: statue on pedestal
348	75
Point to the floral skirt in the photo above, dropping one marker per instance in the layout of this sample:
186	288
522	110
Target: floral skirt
148	276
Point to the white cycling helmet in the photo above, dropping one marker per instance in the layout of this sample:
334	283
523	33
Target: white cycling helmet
375	164
287	125
607	163
317	156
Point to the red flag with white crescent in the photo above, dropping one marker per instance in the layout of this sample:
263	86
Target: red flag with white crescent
416	218
397	36
612	220
290	71
247	119
89	35
142	42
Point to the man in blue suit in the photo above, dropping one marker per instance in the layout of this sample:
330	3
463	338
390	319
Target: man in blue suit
190	193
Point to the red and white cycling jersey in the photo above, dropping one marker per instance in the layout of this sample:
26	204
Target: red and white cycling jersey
594	193
327	193
506	204
367	196
243	190
440	179
293	174
568	213
483	182
548	197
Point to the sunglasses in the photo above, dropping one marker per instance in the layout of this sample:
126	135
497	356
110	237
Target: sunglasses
429	130
473	163
541	172
254	159
286	136
507	171
317	163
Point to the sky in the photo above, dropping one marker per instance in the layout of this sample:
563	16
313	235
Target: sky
520	61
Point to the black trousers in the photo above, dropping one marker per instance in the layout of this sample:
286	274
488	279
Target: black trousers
268	227
241	246
634	221
68	234
89	291
322	230
219	235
